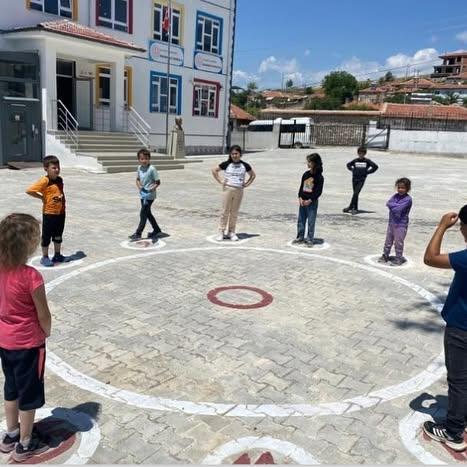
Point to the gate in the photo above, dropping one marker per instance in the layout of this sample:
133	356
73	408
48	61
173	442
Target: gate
293	134
378	138
338	134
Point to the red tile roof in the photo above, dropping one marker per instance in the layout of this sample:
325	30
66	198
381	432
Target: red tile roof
69	28
239	114
450	112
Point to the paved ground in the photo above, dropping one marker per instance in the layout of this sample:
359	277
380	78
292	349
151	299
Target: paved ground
341	367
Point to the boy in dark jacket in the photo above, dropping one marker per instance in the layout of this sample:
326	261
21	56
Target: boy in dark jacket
310	190
360	167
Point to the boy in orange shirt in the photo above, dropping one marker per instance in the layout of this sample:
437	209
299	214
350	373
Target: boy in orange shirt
49	189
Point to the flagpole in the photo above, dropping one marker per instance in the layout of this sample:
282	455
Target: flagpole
168	79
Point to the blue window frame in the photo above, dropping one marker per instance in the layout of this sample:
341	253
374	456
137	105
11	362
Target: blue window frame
209	31
163	92
55	7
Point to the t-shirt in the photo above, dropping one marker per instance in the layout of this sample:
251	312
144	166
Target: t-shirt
361	167
53	197
311	186
19	324
234	174
455	308
147	176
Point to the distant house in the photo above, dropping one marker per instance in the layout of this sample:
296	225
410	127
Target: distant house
239	117
454	63
284	100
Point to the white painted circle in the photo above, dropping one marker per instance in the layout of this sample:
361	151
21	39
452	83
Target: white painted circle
238	446
373	261
434	371
409	427
35	263
89	440
226	241
316	246
129	245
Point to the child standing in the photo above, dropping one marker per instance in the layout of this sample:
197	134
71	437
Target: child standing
309	192
25	322
399	206
49	189
360	167
147	181
233	183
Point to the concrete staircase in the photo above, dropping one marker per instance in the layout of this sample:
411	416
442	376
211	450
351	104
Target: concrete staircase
115	152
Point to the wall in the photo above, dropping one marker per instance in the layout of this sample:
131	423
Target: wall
439	142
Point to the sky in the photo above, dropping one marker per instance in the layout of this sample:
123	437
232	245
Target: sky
306	39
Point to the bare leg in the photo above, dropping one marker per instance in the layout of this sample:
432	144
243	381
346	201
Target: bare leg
45	251
57	248
11	413
26	418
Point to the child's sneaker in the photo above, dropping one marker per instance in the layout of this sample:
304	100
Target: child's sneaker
219	237
309	243
398	261
153	235
438	432
383	259
297	241
346	210
7	443
47	262
59	258
233	237
135	237
354	212
36	446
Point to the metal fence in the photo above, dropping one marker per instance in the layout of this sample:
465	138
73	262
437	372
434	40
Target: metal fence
338	134
415	123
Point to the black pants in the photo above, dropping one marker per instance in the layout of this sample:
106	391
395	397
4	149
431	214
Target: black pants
146	215
455	349
357	188
52	228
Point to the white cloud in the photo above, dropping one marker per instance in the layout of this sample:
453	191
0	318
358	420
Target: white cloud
241	78
423	60
281	66
462	36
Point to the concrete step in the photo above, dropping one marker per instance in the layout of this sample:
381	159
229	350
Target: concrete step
123	161
114	148
130	168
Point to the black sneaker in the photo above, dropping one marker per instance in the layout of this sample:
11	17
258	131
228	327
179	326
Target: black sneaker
153	234
7	443
398	261
438	432
135	237
346	210
309	243
59	258
354	212
297	241
36	446
383	259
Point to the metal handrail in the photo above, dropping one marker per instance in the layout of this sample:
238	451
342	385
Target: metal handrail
68	123
138	126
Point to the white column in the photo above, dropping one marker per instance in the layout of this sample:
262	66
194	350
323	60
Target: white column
48	71
117	94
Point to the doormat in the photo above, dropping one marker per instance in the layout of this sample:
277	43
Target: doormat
23	165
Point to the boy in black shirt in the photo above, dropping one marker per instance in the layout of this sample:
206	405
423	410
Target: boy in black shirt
360	167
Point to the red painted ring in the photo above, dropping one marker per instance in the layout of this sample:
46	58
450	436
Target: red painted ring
266	297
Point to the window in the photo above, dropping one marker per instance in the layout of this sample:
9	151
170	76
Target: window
115	14
160	12
209	33
205	99
63	8
103	81
165	93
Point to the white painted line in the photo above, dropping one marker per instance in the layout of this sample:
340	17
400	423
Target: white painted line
409	427
145	244
373	261
424	379
316	246
35	263
239	446
89	440
226	241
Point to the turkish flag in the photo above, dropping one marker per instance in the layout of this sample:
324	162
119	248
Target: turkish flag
166	22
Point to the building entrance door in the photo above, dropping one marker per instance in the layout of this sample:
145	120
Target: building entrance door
66	85
84	106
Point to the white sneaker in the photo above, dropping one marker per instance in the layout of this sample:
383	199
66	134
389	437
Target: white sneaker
219	237
233	237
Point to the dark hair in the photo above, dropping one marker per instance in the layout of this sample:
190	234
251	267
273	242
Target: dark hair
317	162
463	214
233	148
362	150
143	152
50	160
404	181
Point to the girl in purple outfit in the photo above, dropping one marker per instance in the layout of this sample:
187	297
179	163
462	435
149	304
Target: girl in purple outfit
399	206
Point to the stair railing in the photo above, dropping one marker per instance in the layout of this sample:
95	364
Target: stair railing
137	125
66	122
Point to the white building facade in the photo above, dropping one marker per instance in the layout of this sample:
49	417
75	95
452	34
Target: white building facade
97	61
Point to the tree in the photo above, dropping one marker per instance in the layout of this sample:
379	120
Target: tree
388	77
309	90
364	84
289	84
252	86
323	103
397	99
340	85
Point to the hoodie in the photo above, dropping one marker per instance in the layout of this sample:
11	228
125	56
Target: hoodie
399	207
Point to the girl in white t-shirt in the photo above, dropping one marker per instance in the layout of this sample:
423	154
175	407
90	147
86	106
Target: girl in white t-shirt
233	183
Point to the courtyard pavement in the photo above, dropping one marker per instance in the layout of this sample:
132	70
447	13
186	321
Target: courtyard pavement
192	351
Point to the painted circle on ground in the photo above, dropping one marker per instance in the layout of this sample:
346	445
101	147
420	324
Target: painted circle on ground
266	298
35	262
254	443
88	440
423	379
226	241
373	260
316	246
145	244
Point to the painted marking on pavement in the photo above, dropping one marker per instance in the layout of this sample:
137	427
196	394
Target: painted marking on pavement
145	244
266	298
373	261
35	262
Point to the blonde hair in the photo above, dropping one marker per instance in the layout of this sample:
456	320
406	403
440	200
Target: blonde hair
19	238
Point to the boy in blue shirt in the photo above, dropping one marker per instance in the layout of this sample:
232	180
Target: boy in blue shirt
451	432
147	181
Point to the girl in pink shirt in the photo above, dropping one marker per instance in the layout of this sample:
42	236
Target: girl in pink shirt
25	322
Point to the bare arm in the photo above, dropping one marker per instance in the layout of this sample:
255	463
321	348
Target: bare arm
34	194
138	184
43	313
433	256
216	174
251	178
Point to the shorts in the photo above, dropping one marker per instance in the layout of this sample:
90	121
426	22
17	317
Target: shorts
24	376
52	228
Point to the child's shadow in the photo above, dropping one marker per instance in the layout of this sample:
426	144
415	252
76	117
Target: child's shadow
436	406
76	256
246	236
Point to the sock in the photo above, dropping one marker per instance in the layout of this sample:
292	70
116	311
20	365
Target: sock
25	442
13	433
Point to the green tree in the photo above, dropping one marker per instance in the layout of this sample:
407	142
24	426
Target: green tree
309	91
323	103
364	84
252	86
289	84
388	77
340	85
398	99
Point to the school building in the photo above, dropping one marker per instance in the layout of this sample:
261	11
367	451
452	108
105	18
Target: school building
75	68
